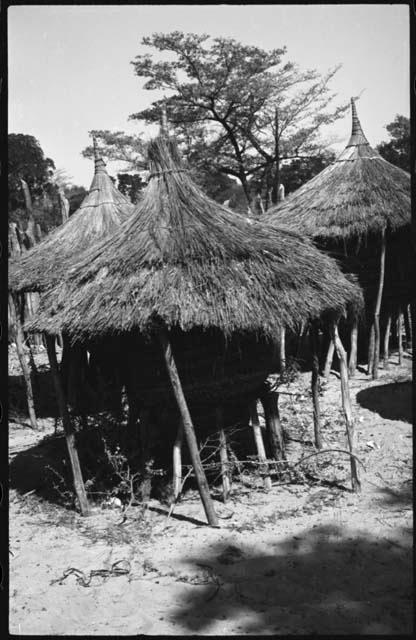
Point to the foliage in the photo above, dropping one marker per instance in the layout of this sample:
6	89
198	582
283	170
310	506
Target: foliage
130	185
397	150
239	109
118	146
299	171
26	161
75	195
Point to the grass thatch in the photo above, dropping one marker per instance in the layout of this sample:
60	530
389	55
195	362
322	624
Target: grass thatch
191	262
100	214
358	194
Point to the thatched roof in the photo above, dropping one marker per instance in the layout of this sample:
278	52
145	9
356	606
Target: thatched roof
100	214
191	262
358	194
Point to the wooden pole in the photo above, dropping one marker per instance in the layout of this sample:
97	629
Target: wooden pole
386	343
378	306
177	462
258	439
407	327
399	335
225	473
314	337
409	317
68	428
144	428
15	308
282	349
352	364
346	405
270	402
371	342
188	427
329	359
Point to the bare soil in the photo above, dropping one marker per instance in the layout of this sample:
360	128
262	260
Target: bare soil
307	557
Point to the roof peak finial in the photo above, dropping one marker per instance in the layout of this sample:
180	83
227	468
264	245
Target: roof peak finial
357	134
98	160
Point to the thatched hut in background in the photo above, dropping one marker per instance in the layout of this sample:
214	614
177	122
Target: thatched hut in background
47	263
193	296
358	210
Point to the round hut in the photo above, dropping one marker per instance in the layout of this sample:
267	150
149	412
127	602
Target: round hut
193	296
46	264
358	210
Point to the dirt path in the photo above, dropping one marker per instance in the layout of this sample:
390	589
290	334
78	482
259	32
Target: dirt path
301	559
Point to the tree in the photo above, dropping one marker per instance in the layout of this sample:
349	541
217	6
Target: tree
397	150
130	185
26	162
240	109
118	146
300	171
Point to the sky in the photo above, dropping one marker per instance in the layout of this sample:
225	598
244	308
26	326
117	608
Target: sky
69	67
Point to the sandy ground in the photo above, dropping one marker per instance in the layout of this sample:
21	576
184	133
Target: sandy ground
303	558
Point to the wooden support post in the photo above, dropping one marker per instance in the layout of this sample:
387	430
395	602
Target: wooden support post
177	462
258	438
188	427
386	353
329	359
346	405
407	327
399	335
15	307
270	402
352	364
370	350
378	306
68	428
409	318
144	427
315	384
225	473
282	349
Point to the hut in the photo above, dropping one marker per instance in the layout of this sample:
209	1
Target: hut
193	295
99	215
358	210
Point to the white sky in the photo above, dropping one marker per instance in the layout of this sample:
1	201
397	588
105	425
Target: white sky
69	68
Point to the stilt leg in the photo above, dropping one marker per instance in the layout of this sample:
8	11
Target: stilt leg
258	438
329	359
15	309
315	386
371	340
177	462
270	402
188	428
346	404
399	336
352	365
225	473
68	428
386	354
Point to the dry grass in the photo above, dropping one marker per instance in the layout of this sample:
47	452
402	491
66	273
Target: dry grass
186	260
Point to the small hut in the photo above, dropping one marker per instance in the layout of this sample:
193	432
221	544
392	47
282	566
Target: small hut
358	210
194	295
45	264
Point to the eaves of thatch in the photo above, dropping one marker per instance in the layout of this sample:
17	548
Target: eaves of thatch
100	214
359	194
190	262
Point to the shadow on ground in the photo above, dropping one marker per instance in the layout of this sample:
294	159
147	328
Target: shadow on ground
43	392
390	401
317	582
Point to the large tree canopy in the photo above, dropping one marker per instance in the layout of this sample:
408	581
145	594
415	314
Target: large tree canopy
26	161
239	109
397	150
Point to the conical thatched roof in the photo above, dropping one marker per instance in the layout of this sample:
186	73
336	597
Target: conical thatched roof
100	214
191	262
358	194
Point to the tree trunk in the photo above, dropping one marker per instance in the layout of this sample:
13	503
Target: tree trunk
276	180
329	359
371	341
225	472
386	354
258	438
314	336
399	335
270	402
352	365
177	462
68	428
188	427
16	303
378	306
346	405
